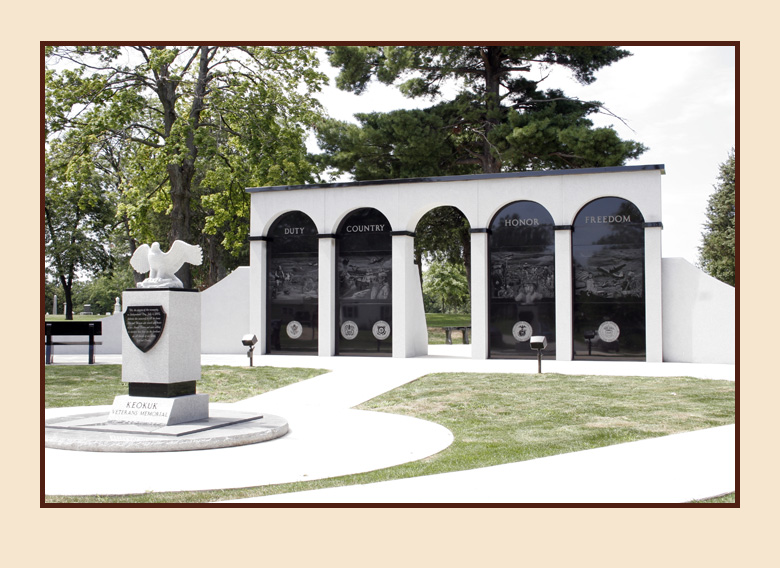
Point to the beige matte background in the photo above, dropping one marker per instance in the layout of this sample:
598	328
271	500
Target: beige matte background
203	536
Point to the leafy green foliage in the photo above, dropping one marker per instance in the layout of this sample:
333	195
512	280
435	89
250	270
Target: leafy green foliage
717	252
183	130
445	288
77	215
442	235
100	292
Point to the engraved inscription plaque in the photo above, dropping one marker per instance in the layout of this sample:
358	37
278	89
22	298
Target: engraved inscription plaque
144	325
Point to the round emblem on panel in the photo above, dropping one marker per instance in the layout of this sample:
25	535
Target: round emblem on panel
294	329
381	330
522	331
349	330
609	331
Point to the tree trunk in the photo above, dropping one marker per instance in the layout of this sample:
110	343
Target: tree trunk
181	182
491	57
466	244
182	171
418	262
68	291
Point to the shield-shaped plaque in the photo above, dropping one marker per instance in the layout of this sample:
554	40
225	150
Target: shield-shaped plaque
144	325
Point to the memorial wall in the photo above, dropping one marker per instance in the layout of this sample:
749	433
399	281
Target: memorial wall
572	255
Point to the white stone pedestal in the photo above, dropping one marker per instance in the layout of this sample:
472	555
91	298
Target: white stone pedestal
176	355
161	371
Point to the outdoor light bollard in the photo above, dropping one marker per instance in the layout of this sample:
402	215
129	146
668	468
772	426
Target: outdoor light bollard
539	342
589	335
249	340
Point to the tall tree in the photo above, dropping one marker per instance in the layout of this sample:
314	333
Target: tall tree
501	120
78	216
180	108
717	252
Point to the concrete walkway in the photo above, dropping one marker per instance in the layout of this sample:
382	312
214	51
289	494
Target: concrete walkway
673	469
328	438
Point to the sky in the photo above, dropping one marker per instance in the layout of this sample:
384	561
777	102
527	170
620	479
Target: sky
679	101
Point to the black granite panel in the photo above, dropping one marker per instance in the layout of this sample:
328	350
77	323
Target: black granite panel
522	280
162	390
293	286
364	286
608	268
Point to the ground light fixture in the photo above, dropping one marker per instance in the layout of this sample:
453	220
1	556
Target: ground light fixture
539	342
249	340
589	336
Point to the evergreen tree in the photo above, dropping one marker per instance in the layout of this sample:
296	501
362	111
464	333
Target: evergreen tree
717	252
500	121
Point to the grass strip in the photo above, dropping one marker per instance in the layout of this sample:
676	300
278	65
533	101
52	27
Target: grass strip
92	385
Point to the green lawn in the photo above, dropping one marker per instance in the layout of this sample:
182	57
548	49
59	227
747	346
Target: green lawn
76	317
495	418
92	385
436	323
728	498
445	320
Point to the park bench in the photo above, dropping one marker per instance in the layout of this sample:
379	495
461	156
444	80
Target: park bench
73	328
464	329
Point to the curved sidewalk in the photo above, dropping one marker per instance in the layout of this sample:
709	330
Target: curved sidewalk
328	438
674	469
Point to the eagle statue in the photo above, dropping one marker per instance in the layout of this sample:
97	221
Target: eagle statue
162	266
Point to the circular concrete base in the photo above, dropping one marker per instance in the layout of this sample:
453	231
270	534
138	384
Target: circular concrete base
91	433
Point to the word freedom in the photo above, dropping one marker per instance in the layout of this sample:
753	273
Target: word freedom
609	219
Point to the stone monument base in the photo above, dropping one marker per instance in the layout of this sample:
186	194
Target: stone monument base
92	432
158	411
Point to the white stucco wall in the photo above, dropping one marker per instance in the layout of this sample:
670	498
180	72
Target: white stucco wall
225	313
699	315
410	334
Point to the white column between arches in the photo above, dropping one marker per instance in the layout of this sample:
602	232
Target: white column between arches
410	334
326	288
653	295
258	258
563	295
479	294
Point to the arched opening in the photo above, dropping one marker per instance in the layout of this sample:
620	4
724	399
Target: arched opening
522	280
608	267
364	284
292	272
442	248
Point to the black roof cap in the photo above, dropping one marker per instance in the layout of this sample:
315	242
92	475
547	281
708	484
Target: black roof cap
540	173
